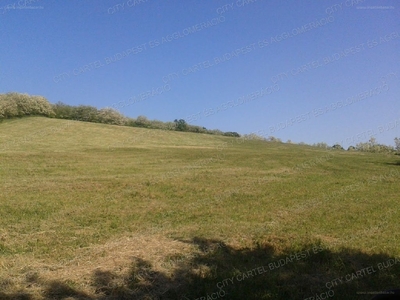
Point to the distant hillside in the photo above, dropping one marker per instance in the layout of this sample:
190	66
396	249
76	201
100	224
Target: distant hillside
49	134
14	105
96	211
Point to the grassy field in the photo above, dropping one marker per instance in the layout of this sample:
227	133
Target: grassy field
92	211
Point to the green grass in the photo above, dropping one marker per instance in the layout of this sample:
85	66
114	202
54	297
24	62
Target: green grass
85	207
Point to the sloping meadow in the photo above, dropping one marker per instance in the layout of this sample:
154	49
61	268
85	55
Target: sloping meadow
94	211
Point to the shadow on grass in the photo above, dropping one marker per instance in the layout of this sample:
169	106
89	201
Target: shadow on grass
15	296
218	271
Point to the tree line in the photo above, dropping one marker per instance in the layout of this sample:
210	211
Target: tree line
16	105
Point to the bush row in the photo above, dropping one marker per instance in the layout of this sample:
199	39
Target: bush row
13	105
111	116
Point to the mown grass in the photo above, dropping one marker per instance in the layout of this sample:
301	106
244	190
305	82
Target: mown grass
85	208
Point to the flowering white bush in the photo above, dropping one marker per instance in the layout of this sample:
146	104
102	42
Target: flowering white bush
17	105
111	116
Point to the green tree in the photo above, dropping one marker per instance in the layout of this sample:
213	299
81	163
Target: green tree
337	147
397	144
62	110
89	113
142	121
231	133
274	139
180	125
321	145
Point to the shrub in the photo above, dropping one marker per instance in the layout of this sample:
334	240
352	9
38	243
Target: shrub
111	116
397	144
142	121
8	107
274	139
337	147
321	145
230	133
18	105
253	136
80	113
91	114
43	106
181	125
62	111
372	146
170	125
214	131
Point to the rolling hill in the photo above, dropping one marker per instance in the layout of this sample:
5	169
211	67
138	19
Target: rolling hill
96	211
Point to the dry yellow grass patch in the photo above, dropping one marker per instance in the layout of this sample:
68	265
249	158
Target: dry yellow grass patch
117	258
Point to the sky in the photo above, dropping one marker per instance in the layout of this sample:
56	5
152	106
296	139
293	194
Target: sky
306	71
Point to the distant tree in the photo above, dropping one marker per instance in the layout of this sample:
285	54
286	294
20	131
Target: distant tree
196	129
154	124
181	125
351	148
253	136
372	141
62	110
321	145
373	146
91	114
397	144
111	116
337	147
231	133
364	147
130	122
274	139
18	105
170	125
215	131
142	121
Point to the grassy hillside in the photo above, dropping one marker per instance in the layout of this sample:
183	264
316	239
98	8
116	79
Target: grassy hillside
93	211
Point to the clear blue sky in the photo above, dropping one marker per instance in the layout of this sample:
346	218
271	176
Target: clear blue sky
196	60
